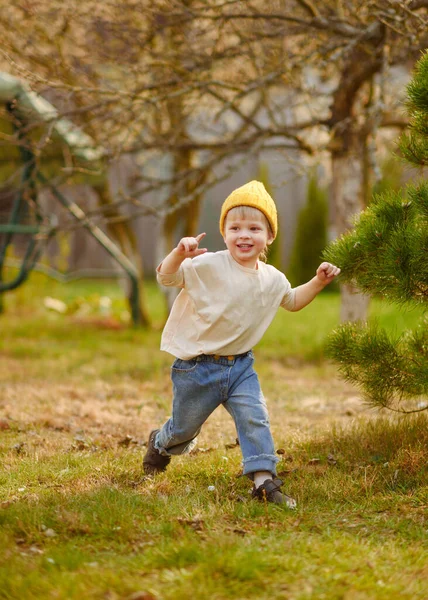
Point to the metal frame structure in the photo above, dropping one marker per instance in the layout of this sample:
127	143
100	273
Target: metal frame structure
38	230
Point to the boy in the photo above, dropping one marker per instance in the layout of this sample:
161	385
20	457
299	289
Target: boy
228	300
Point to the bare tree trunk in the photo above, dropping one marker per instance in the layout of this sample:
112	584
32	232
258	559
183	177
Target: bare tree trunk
348	152
187	217
354	304
348	194
124	236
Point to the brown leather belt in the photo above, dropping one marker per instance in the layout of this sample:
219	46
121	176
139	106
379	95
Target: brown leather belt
220	358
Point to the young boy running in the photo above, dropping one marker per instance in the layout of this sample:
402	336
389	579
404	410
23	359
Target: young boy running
228	300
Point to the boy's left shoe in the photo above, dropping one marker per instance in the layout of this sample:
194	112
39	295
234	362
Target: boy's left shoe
270	491
154	462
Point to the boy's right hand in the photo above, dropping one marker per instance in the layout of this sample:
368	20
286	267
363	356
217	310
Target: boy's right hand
188	247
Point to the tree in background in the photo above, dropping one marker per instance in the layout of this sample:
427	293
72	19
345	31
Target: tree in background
311	234
386	255
275	247
203	82
392	177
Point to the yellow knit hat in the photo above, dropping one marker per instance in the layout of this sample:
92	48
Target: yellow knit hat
252	194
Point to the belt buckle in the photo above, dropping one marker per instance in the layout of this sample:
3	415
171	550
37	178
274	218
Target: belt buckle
229	357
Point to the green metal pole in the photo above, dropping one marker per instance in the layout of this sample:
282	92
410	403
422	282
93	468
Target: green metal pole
27	186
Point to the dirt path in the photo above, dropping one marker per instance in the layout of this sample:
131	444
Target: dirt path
300	400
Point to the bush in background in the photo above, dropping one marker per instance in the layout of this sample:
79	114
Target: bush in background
274	256
311	234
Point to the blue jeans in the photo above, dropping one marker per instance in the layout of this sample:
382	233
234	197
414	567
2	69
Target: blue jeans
200	385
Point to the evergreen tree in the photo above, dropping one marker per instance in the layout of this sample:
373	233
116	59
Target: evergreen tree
392	177
274	254
311	235
387	254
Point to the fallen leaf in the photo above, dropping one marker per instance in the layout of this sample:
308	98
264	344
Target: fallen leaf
141	596
286	472
55	304
50	533
195	524
331	460
126	441
201	450
18	447
232	445
240	498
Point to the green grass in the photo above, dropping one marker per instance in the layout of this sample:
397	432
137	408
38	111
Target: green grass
79	520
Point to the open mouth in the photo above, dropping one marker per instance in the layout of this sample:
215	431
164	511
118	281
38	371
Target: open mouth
244	246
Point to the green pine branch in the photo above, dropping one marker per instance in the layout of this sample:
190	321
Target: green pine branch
387	255
388	371
414	144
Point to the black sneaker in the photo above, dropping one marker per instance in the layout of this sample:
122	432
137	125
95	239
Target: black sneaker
154	462
270	491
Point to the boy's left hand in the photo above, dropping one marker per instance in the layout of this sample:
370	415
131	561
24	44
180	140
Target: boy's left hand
326	272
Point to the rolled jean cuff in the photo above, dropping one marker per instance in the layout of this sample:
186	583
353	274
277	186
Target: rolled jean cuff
163	451
262	462
182	448
159	448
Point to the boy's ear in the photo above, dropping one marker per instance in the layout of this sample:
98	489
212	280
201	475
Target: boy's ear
270	239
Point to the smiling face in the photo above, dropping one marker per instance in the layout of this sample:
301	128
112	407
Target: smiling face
246	235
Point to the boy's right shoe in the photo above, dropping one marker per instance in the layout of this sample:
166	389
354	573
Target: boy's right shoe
270	491
154	462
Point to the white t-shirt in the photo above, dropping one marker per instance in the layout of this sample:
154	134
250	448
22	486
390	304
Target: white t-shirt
223	308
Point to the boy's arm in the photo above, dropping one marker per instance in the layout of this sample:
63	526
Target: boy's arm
187	247
304	294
